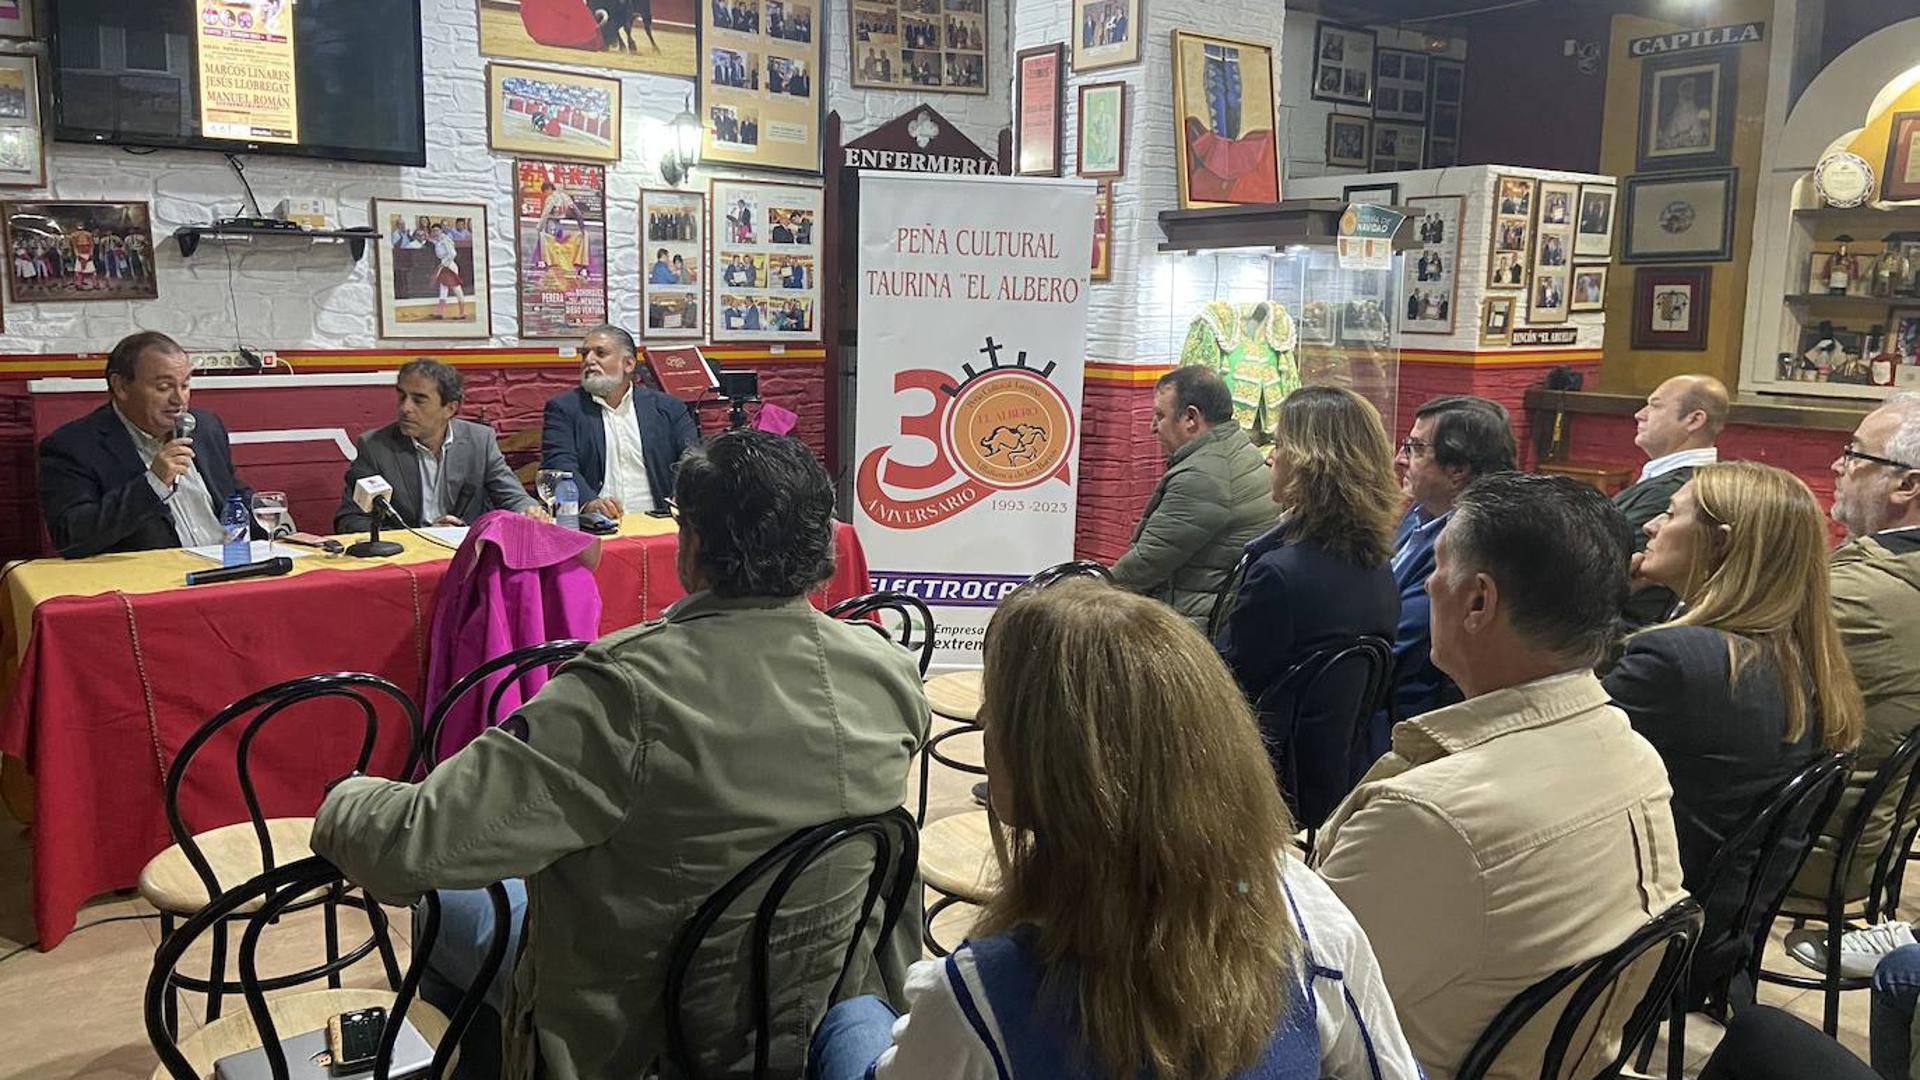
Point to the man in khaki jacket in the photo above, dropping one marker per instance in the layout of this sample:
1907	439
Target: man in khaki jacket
654	767
1528	827
1214	498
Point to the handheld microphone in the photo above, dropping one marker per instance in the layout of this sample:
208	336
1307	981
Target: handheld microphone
184	424
374	496
273	567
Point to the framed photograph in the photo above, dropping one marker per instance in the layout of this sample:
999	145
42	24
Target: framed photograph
16	19
766	242
79	250
1102	269
553	114
1038	88
1400	85
430	272
1686	111
1108	33
1680	218
1593	238
919	45
560	244
1431	275
762	78
1446	93
1900	179
1553	242
23	149
1547	297
1363	322
1670	307
673	281
1905	336
1373	194
1589	289
1397	147
1349	139
1496	320
1512	241
1342	64
1224	121
620	34
1101	149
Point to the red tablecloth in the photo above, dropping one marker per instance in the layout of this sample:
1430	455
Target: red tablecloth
113	684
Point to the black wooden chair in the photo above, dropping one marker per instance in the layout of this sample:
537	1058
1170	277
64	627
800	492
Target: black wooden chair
1346	683
200	866
1077	568
1591	981
1223	600
260	902
510	669
895	844
912	612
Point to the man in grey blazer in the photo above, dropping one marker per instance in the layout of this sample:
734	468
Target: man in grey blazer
443	471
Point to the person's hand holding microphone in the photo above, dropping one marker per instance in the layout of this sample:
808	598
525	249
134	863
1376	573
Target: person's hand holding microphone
176	455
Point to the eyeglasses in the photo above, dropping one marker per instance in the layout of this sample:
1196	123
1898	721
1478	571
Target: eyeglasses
1414	447
1853	452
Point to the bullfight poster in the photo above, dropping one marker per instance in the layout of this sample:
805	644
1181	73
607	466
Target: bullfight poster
562	234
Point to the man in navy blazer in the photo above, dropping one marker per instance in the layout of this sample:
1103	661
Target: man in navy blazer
117	480
621	442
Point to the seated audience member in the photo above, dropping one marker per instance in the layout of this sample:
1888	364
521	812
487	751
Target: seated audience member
1454	441
1213	499
1765	1043
1742	689
1317	580
1527	828
1675	429
444	470
654	767
118	480
620	440
1160	930
1896	991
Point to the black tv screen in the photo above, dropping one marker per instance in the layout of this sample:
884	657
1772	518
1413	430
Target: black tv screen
336	79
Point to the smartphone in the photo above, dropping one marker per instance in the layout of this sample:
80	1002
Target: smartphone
599	524
354	1039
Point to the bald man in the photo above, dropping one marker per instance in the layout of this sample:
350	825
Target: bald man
1676	430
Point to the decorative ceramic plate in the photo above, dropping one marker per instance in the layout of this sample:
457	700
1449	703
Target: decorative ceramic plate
1843	180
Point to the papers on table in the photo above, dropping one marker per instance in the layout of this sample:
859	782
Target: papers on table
212	552
450	535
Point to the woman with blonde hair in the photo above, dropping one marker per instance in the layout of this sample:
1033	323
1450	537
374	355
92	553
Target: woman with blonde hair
1148	921
1319	579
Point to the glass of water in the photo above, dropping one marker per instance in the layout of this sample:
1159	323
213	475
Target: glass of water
271	513
544	482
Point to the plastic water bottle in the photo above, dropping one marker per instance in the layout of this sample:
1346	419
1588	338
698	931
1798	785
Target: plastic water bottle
566	503
235	521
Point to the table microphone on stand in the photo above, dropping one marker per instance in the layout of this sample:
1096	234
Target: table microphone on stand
372	494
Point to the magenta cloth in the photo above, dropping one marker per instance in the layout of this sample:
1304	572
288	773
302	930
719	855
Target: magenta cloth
515	582
775	419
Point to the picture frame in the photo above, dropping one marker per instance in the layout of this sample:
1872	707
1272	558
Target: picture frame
1670	307
1903	332
653	47
1680	217
23	144
1102	266
1362	321
553	114
1430	275
1400	85
412	278
1547	295
761	74
765	243
1446	98
560	247
1349	141
1588	292
1343	63
921	46
673	264
1496	320
106	235
1593	235
1100	136
1686	111
1106	33
16	19
1397	147
1243	123
1510	248
1900	178
1373	194
1038	99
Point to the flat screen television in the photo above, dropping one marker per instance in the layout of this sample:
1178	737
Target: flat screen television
334	79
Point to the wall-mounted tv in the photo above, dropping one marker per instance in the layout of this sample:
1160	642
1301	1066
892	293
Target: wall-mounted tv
334	79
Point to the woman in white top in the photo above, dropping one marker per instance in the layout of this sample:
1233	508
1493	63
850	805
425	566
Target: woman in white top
1149	922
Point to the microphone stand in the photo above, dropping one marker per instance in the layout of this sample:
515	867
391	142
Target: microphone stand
373	547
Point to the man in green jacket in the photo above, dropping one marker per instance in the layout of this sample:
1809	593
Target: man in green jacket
1676	430
651	770
1214	498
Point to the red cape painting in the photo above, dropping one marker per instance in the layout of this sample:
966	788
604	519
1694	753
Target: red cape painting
1223	94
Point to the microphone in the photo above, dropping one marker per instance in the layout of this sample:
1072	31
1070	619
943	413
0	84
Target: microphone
184	424
273	567
373	495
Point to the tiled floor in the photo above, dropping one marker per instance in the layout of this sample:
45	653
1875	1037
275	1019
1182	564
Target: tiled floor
76	1012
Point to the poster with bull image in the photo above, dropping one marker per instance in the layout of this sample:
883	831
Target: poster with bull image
973	331
562	239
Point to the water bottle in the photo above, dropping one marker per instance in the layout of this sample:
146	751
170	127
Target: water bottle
235	520
566	503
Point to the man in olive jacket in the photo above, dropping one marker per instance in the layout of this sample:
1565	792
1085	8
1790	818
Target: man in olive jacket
653	768
1214	498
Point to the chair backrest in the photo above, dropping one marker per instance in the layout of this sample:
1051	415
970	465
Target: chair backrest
1223	600
1062	571
1313	683
1676	930
509	668
1894	784
252	713
276	890
861	609
896	859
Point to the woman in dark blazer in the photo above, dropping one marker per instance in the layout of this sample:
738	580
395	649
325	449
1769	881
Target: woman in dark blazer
1319	578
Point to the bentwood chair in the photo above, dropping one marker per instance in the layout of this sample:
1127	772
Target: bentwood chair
916	630
200	866
1343	685
1086	568
509	669
267	1025
894	844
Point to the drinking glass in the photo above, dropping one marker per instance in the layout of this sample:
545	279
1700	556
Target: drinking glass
271	513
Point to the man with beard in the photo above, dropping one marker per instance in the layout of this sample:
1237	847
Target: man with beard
620	441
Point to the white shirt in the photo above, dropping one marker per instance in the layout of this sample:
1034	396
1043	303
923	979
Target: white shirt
432	498
1679	459
195	522
626	477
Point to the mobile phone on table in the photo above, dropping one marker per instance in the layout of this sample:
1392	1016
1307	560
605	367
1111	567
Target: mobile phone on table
598	523
353	1038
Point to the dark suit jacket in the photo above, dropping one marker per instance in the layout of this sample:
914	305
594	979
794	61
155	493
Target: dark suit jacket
1419	687
1642	502
575	440
1294	599
473	473
94	491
